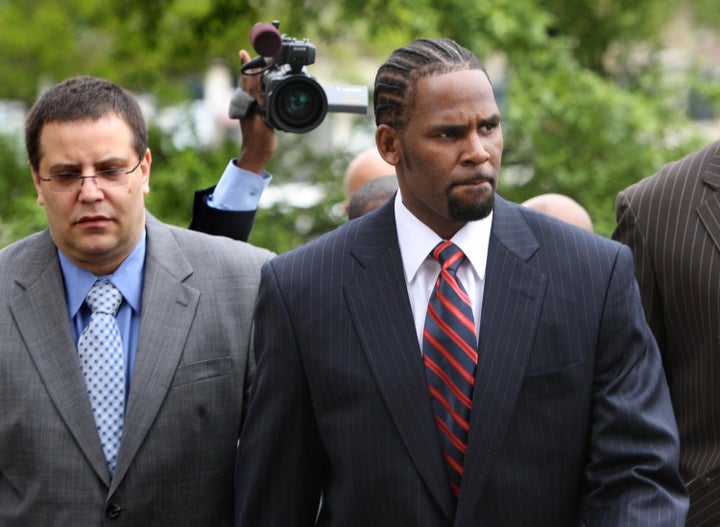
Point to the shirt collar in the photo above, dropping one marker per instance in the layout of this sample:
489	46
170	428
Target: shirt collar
128	278
416	240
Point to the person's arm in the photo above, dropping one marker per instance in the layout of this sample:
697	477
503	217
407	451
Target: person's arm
632	473
280	464
228	208
630	232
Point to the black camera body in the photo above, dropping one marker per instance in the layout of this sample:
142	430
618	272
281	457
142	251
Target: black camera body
293	100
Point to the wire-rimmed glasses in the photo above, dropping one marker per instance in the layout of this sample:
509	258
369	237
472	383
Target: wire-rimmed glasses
107	178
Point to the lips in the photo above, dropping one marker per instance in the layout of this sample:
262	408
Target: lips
95	220
476	180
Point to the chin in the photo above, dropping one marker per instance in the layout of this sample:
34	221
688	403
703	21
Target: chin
470	211
98	245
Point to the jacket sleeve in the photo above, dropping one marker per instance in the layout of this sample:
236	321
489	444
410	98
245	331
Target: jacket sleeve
632	472
233	224
280	462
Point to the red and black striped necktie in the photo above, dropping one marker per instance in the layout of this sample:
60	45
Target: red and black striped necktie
450	357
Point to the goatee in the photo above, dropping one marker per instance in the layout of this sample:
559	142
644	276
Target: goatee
460	210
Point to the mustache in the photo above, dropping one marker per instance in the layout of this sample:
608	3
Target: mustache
477	177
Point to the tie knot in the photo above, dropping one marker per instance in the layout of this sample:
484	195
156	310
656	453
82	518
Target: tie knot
104	297
449	255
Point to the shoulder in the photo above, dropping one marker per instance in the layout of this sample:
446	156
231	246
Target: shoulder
680	173
335	243
23	244
545	229
558	247
23	261
27	253
313	259
200	249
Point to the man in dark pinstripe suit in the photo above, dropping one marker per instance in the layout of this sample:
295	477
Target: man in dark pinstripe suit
571	420
671	221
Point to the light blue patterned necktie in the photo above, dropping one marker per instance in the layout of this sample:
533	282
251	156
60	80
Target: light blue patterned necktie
103	366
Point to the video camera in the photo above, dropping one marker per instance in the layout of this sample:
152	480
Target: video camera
294	101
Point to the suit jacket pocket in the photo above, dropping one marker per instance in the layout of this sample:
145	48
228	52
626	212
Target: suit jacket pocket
202	370
568	378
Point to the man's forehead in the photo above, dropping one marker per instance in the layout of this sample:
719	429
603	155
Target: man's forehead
86	135
454	91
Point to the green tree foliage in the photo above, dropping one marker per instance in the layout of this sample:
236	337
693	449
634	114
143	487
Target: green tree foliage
581	114
19	212
572	124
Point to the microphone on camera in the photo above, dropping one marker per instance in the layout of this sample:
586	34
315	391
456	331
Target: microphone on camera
267	41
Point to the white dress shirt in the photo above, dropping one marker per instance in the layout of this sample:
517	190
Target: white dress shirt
417	241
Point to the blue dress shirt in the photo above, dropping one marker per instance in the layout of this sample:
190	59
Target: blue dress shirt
238	189
128	278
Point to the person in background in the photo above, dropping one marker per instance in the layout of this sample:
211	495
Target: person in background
229	208
454	359
126	342
367	165
562	207
671	221
371	196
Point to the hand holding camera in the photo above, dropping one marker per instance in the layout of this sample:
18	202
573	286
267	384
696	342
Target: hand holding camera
293	101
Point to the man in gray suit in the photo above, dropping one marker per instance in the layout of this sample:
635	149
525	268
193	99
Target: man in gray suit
361	399
184	323
671	221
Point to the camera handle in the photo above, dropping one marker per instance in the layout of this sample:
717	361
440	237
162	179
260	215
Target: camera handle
242	104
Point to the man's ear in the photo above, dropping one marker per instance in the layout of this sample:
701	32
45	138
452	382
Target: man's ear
145	167
38	186
388	144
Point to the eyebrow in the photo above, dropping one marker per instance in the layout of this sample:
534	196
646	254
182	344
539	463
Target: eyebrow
493	120
67	166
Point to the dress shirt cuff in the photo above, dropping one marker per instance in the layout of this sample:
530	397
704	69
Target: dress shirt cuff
238	189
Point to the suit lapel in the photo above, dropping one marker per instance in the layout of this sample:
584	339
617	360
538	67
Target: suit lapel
168	309
40	313
379	305
511	309
709	210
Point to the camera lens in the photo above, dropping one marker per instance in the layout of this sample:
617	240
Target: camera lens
298	104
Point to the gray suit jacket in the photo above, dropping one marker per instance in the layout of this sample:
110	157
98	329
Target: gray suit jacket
571	415
671	221
185	404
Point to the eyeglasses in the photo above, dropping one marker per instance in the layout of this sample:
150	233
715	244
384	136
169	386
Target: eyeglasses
108	178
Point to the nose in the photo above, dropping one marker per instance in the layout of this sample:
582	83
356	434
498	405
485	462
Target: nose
476	151
89	190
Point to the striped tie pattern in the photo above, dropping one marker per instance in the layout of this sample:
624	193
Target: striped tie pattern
450	357
103	366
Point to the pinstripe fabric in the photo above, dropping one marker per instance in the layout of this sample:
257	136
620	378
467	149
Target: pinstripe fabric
571	418
671	221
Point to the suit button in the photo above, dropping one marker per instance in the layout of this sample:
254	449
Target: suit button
113	511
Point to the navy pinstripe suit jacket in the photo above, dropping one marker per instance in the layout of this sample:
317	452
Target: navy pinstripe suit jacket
671	221
571	415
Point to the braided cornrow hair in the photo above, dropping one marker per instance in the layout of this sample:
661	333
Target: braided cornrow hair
396	78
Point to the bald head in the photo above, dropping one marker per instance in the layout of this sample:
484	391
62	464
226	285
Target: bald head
371	196
366	166
562	207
